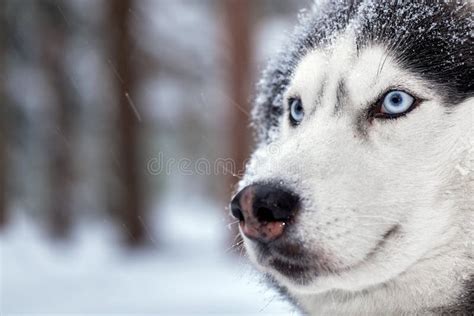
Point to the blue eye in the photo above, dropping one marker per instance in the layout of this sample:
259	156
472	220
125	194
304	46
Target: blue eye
296	111
397	102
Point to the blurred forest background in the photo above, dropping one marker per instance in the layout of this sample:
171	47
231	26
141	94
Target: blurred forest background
95	96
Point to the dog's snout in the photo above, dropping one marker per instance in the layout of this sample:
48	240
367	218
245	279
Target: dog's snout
264	210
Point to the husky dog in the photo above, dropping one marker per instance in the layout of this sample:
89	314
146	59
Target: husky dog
359	197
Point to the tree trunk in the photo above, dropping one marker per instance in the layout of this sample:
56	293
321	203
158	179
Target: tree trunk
131	213
3	122
3	176
238	26
239	52
53	29
239	75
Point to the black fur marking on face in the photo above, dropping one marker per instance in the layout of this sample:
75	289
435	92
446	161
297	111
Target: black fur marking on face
469	297
464	304
283	292
341	97
432	39
314	30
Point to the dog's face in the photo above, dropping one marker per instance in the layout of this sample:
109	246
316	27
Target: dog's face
372	154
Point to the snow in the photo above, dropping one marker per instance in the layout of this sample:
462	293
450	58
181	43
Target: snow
185	271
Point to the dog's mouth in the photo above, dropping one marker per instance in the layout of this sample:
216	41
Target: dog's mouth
296	263
297	272
290	260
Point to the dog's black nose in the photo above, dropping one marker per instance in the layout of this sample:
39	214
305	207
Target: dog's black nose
264	210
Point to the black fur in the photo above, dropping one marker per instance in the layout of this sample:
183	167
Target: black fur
433	39
340	96
465	303
283	293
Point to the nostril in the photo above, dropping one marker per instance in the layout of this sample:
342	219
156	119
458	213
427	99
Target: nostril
237	213
236	209
274	204
264	214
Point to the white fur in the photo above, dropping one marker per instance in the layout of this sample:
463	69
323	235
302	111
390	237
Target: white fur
414	172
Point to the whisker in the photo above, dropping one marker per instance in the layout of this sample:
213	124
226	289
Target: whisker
229	225
234	246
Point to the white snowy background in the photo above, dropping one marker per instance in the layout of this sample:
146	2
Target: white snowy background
186	267
187	273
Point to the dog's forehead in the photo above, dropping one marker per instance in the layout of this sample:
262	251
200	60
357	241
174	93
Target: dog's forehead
432	39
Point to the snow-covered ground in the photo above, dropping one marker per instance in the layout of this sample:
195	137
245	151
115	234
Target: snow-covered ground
188	272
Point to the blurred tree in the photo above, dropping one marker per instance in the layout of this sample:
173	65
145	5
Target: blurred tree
3	100
3	206
54	28
237	14
132	208
238	27
3	176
